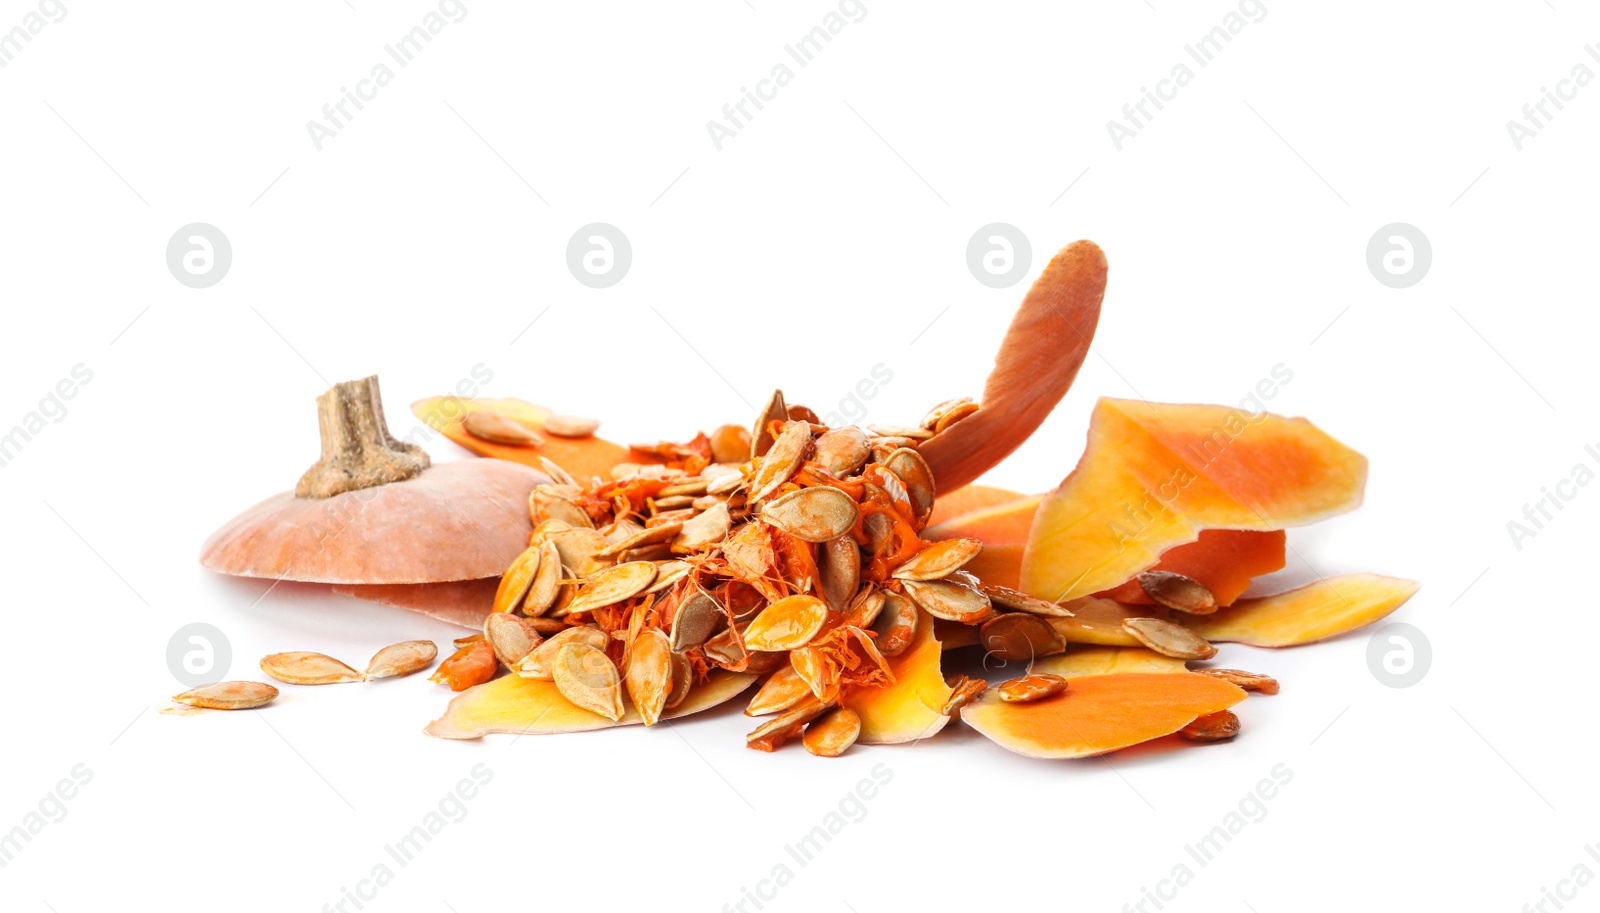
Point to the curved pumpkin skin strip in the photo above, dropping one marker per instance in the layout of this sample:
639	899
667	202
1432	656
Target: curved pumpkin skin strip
1305	615
1038	360
1154	476
1223	560
583	458
1003	530
460	602
1100	713
968	498
907	710
526	706
1090	660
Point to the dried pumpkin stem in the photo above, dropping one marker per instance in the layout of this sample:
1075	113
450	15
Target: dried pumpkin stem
357	449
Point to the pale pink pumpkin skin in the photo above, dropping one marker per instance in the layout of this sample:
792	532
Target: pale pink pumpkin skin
455	521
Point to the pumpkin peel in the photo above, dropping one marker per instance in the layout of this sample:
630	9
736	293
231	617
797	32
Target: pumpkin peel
526	706
1316	611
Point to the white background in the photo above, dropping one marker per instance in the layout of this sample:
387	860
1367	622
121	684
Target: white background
827	237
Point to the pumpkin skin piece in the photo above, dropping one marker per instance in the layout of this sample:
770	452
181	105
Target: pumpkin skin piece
459	602
1003	530
907	710
1316	611
583	458
1098	714
1091	660
525	706
1154	476
969	498
1223	560
1039	357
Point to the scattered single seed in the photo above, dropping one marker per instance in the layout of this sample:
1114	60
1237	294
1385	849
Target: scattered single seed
782	690
1249	681
787	624
831	734
786	725
649	675
1169	639
1019	637
401	659
963	691
500	429
781	460
896	624
761	435
571	426
842	451
229	695
949	600
471	665
302	668
696	619
516	580
587	677
1031	688
1176	591
1212	727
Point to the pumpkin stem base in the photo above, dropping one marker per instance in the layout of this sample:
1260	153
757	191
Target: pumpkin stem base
357	449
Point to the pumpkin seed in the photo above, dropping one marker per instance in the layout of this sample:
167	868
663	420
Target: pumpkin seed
557	502
787	624
781	460
650	535
546	584
587	677
831	734
918	478
953	416
667	574
724	484
229	695
705	530
510	636
555	472
469	639
814	514
1212	727
1019	637
842	451
613	585
905	431
937	413
1031	688
1249	681
516	580
839	571
538	664
761	438
682	680
798	413
786	725
865	607
649	676
728	651
949	600
1169	639
404	658
896	625
1176	591
500	429
694	486
730	444
571	426
939	559
782	690
302	668
697	617
1016	600
579	550
546	626
963	691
